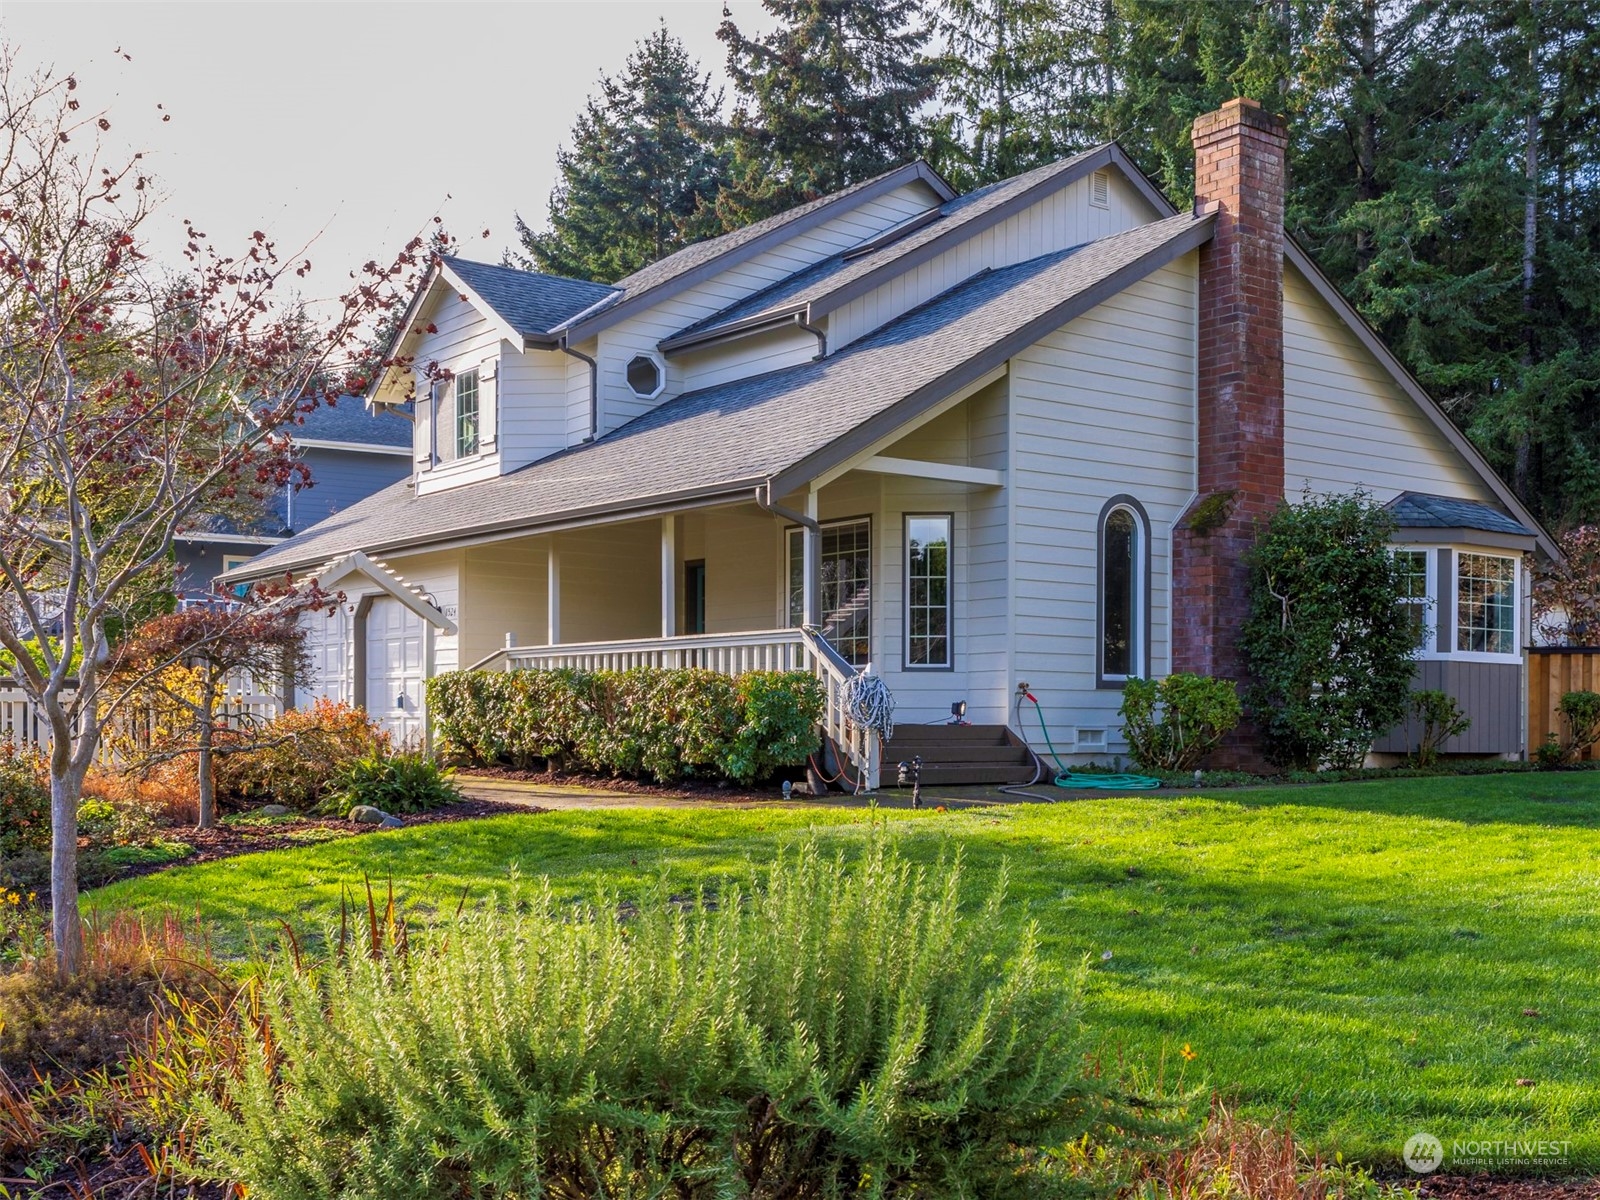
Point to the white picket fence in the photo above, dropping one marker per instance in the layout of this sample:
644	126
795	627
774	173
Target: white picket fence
25	726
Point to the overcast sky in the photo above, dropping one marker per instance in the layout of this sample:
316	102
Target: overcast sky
350	123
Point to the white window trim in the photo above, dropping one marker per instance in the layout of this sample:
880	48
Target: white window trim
949	663
1138	637
661	374
1441	609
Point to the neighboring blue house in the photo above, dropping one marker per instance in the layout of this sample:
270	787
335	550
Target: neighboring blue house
350	452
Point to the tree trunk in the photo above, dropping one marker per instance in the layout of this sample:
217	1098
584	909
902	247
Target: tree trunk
66	925
1367	127
207	785
1521	466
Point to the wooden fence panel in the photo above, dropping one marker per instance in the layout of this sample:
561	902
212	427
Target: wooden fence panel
1553	671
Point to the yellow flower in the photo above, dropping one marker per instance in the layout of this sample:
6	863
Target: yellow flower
1188	1054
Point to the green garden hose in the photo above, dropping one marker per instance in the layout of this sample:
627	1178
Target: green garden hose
1067	779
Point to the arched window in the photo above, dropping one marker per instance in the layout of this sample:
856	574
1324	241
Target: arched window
1124	591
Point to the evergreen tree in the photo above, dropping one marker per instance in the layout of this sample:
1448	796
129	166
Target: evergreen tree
646	154
829	98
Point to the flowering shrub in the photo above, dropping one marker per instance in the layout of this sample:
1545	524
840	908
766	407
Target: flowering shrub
294	760
667	724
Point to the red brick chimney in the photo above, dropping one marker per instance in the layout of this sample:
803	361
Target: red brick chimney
1239	172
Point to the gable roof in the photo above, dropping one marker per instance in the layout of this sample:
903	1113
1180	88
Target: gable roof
834	281
1417	510
709	256
777	429
389	581
529	302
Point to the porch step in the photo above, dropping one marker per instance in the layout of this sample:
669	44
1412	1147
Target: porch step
959	755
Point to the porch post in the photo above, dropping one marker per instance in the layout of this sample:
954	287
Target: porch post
553	587
811	541
669	577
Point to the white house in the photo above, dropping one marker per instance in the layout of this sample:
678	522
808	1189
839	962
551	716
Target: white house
965	439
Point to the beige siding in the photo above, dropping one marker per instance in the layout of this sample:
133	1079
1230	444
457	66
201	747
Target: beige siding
740	549
754	355
464	338
1062	219
504	591
1102	407
610	582
641	333
1347	424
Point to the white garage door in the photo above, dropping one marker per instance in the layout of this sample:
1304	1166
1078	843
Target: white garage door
395	670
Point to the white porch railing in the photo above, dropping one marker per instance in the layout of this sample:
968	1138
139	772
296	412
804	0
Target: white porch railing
727	654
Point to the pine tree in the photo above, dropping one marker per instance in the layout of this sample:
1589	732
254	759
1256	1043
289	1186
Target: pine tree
829	98
646	154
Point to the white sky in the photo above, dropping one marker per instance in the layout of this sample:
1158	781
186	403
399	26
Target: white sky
350	123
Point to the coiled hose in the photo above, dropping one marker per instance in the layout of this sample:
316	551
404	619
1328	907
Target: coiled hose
1067	778
868	703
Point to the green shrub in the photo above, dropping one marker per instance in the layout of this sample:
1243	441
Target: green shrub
1329	647
668	724
1581	713
298	755
24	801
402	782
1440	718
1172	724
821	1031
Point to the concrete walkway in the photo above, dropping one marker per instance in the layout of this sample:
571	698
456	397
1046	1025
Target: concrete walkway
563	797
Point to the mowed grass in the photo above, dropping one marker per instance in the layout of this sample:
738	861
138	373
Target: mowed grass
1374	958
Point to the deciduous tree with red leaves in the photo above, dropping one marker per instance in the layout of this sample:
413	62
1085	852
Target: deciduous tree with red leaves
1566	594
133	401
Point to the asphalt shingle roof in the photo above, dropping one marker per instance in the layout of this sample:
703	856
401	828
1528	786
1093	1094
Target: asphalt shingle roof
813	283
531	303
740	433
349	421
1417	510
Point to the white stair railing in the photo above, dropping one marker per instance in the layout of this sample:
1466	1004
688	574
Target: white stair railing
857	743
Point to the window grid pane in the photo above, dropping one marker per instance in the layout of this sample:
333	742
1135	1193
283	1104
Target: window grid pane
1486	603
846	571
1413	567
928	592
466	414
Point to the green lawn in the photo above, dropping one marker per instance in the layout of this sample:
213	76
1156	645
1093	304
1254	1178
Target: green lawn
1362	954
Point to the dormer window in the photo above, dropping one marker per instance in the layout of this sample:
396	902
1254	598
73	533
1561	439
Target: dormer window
645	376
466	414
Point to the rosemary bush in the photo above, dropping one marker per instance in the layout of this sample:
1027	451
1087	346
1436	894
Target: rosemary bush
820	1031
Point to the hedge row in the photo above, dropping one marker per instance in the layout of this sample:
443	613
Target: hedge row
668	724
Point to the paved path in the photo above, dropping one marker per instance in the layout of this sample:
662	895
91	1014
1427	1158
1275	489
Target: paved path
562	796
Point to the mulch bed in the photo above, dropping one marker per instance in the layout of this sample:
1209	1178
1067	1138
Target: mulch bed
689	789
231	839
1491	1187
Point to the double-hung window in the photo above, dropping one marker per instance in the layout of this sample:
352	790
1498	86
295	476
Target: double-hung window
1413	568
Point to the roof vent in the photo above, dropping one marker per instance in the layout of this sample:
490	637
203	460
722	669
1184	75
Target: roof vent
1100	189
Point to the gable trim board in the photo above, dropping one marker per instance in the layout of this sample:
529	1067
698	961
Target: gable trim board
581	328
389	584
1374	345
960	229
351	447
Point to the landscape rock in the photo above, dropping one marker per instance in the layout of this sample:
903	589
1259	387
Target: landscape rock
366	814
273	810
390	821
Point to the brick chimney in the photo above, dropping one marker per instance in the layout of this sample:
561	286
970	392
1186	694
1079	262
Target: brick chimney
1239	172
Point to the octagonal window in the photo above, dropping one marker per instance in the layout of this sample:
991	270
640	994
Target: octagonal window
644	375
